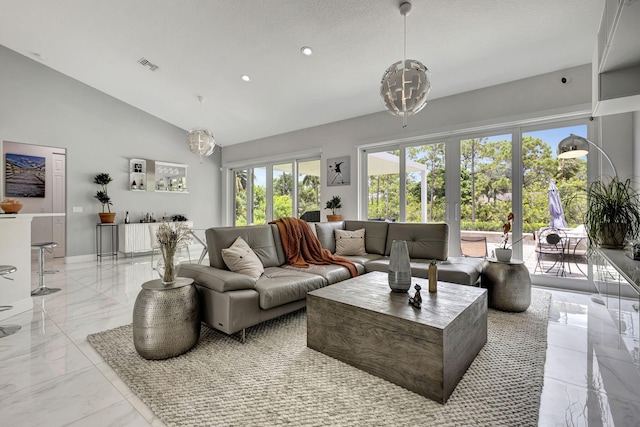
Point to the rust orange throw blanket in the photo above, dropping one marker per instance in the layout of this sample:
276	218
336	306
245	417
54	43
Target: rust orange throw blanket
302	247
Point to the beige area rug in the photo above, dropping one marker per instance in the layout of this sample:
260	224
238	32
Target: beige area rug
275	379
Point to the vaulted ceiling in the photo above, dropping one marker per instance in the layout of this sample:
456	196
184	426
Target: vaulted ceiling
203	47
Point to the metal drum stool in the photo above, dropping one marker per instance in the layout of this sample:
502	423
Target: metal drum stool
166	319
42	289
7	330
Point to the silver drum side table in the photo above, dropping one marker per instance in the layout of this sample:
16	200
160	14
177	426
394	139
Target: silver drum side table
508	285
166	319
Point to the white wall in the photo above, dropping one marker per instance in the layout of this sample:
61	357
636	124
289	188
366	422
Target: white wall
636	147
537	96
41	106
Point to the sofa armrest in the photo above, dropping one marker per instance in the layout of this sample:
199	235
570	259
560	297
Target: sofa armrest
217	279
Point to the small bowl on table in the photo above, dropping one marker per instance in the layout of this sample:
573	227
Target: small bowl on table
11	206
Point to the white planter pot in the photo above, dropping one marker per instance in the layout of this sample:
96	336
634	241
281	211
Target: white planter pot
503	255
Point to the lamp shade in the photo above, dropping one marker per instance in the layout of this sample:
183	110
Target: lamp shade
404	90
573	146
201	142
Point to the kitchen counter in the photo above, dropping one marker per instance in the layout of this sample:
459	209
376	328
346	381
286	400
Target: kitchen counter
15	249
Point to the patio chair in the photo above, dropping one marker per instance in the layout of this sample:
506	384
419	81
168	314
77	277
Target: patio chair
475	247
551	248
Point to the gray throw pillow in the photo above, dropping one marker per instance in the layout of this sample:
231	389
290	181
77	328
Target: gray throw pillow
350	242
240	258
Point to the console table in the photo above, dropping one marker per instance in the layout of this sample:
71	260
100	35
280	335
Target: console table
135	237
113	249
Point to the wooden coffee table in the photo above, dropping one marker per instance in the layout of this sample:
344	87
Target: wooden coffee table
361	322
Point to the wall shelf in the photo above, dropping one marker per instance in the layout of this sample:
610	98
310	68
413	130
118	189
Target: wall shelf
157	176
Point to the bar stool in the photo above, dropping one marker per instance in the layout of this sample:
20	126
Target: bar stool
42	289
7	330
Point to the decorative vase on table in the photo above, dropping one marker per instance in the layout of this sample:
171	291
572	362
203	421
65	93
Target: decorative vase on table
170	238
503	255
399	267
433	277
167	267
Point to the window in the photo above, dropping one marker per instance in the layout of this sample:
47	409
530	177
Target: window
267	192
282	190
425	183
383	175
309	189
240	181
485	183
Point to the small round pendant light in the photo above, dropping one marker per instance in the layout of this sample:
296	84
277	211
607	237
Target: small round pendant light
405	84
200	140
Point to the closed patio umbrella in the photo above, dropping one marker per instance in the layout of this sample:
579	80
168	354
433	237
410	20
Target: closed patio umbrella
555	207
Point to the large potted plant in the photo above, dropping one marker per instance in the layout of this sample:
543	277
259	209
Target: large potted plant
613	213
334	203
103	180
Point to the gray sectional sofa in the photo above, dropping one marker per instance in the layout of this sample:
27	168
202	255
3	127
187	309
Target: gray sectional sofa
232	302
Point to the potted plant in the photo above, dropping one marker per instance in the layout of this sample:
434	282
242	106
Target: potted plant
334	203
613	213
103	179
503	253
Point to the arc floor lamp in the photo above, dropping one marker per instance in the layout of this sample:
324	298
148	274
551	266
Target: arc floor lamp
576	146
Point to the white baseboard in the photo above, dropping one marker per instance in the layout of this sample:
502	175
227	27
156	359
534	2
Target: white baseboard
18	307
79	258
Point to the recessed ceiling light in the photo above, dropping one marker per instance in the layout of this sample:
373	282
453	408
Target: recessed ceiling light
245	78
306	50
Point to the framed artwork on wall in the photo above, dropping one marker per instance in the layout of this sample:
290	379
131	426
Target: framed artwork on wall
339	171
24	175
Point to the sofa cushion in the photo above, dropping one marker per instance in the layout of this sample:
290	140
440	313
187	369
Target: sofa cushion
325	233
424	241
350	242
277	241
460	270
363	259
375	239
463	270
258	237
332	273
240	258
279	286
217	279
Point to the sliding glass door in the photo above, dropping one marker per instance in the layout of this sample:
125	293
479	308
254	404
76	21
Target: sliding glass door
474	181
486	191
554	202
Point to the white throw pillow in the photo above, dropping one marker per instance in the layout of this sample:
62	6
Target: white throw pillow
240	258
350	242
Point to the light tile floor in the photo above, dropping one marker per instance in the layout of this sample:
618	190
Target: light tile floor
51	376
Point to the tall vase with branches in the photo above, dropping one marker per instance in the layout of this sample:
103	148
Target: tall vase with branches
170	239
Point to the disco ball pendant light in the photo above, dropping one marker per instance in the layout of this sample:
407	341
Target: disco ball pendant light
406	84
200	140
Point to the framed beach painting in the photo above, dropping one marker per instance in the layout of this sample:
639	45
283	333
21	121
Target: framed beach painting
339	171
24	175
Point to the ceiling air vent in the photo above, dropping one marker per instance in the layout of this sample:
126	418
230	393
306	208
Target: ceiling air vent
146	63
